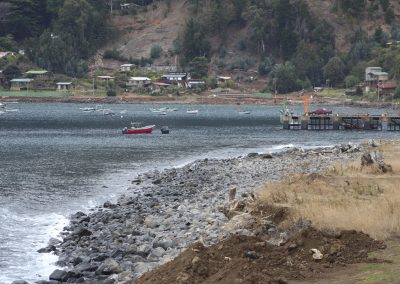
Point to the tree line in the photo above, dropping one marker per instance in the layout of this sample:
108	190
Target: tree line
295	48
58	35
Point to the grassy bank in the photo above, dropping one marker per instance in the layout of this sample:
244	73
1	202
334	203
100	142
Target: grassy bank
347	196
33	94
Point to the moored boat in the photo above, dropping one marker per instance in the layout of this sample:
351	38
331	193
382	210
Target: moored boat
193	111
136	128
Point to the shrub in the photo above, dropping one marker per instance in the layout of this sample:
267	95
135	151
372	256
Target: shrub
111	93
351	81
155	51
265	66
114	54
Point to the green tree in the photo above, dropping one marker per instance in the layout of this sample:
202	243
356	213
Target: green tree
198	67
284	78
194	43
308	63
11	72
27	18
155	51
334	71
351	81
8	43
265	66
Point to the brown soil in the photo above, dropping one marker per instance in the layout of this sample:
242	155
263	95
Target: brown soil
243	259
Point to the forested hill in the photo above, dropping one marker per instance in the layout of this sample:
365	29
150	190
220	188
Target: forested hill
294	43
58	35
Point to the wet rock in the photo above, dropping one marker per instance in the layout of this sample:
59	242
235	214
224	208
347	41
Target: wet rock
58	275
252	155
266	156
80	232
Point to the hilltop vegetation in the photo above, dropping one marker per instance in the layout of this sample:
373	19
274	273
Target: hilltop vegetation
56	35
294	44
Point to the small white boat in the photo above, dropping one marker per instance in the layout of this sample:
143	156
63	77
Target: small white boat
162	113
192	111
244	112
108	111
123	111
2	105
12	110
155	110
88	109
172	109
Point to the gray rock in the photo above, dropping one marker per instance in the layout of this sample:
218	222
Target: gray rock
108	267
58	275
80	232
165	244
143	250
156	253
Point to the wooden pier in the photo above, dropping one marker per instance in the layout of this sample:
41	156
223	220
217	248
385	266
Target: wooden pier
382	122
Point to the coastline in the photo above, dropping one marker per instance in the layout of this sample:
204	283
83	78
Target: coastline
220	99
164	212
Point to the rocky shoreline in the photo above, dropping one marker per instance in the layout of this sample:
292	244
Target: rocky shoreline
164	212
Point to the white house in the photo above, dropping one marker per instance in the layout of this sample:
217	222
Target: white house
137	82
126	67
63	86
373	74
106	78
193	83
223	79
179	79
20	84
6	53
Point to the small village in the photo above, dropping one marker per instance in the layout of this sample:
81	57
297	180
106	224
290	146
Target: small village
159	80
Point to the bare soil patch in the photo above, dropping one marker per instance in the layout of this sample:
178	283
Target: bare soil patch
245	259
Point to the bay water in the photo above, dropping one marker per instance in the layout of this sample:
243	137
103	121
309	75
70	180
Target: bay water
56	159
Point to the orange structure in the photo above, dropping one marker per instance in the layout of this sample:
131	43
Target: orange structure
306	105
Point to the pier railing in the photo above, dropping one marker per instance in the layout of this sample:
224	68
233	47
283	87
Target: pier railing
383	122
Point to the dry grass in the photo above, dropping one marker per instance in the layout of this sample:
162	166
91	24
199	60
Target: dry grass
346	197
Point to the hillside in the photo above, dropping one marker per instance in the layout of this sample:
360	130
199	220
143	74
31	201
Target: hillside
276	45
138	33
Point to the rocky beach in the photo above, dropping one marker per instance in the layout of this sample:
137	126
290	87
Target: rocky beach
164	212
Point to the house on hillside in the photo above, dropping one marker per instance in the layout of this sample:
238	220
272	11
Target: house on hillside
374	76
37	74
138	82
223	79
388	87
64	86
126	67
178	79
6	54
105	78
162	68
20	84
194	83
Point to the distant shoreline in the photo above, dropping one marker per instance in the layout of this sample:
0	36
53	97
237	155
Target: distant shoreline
195	99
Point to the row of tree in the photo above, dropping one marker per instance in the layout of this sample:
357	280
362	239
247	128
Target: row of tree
58	35
295	48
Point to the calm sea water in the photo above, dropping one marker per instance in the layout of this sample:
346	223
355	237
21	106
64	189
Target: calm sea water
56	159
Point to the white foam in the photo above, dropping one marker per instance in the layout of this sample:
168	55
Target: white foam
25	235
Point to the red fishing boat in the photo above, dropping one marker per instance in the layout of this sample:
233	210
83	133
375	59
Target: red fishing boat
136	128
